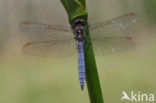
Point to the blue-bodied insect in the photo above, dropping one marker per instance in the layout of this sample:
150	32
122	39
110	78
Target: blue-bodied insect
61	41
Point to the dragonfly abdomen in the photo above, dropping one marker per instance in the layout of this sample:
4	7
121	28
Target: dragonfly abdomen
81	64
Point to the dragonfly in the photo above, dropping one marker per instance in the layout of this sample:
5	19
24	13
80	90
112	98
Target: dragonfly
58	41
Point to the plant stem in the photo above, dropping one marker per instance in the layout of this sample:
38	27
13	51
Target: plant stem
77	9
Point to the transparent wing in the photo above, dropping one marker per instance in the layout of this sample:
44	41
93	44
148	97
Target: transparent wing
52	49
108	45
108	28
41	30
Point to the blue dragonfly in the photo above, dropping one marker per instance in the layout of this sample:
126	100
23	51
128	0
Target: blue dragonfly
62	41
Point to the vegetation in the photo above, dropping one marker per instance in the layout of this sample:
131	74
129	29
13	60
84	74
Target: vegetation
77	9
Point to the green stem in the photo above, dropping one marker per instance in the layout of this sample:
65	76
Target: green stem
92	77
77	9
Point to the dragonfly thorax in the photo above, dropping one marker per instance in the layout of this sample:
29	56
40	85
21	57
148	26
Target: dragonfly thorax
79	29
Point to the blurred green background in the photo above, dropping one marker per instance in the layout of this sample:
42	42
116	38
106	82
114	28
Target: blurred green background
28	79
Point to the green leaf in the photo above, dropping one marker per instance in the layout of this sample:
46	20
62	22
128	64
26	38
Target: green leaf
75	9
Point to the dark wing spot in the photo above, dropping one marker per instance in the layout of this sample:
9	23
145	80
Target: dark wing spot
28	44
128	38
26	22
130	14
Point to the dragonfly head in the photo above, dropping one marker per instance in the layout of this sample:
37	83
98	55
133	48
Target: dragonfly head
78	21
79	30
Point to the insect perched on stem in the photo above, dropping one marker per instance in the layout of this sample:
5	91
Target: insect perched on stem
61	40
